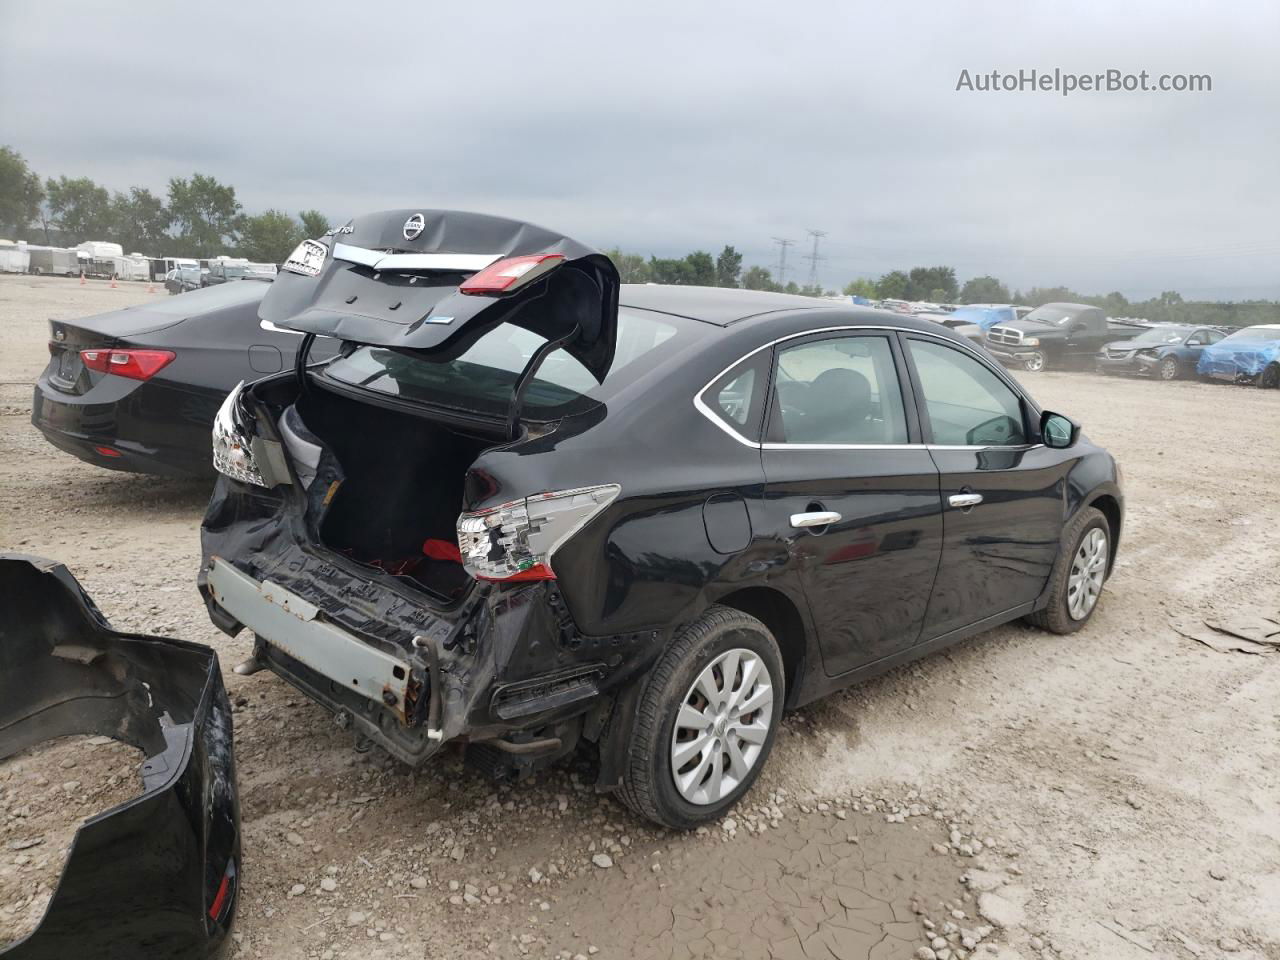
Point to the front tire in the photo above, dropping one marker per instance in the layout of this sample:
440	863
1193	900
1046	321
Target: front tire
706	720
1169	368
1035	362
1269	378
1078	575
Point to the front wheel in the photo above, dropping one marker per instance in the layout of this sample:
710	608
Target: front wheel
1035	361
1169	368
1078	575
1269	378
706	721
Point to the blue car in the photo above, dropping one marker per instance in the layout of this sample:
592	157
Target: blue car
1169	351
1250	355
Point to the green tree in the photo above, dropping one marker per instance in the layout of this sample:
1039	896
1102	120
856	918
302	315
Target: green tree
632	267
984	290
702	269
80	209
206	214
758	278
928	282
1039	296
728	267
894	285
666	270
21	193
269	237
314	224
141	221
861	288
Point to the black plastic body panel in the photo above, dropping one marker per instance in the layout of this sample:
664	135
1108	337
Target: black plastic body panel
156	876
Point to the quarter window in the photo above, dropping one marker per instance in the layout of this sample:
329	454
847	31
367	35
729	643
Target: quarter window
967	404
841	390
737	398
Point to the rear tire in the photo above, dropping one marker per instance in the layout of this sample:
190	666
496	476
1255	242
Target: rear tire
718	763
1076	569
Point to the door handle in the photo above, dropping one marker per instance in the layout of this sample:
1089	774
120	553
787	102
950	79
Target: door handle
818	518
965	500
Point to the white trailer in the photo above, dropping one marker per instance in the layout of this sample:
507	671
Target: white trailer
14	257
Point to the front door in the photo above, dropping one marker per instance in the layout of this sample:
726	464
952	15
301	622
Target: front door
1003	493
853	492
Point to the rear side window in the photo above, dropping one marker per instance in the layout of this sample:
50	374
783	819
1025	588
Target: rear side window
966	404
839	391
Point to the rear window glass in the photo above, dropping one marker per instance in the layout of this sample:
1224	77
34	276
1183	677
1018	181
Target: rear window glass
482	379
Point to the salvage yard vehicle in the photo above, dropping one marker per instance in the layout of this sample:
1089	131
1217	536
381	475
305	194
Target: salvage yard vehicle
528	509
1250	355
184	279
157	875
1056	335
1168	351
223	269
137	389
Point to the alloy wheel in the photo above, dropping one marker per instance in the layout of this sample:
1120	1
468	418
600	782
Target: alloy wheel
1088	570
1169	369
722	726
1035	362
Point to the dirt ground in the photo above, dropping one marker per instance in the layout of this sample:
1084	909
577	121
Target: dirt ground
1112	794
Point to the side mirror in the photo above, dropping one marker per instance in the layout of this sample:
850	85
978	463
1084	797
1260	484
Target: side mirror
1057	431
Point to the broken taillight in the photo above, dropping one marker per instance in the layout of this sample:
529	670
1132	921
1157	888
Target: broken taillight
515	541
133	364
510	274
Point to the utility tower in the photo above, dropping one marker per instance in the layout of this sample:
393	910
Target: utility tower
782	258
813	258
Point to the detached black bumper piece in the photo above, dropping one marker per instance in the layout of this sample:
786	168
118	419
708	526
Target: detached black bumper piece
157	876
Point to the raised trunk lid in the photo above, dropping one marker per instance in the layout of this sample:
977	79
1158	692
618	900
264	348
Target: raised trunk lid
392	279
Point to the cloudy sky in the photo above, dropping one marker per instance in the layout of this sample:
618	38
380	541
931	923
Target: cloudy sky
667	126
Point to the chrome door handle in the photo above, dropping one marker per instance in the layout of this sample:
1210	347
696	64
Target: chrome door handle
819	518
965	500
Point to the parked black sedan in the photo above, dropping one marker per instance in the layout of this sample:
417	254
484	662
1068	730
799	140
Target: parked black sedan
1168	352
137	389
516	515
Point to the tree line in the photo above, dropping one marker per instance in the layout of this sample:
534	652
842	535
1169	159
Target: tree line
200	217
197	216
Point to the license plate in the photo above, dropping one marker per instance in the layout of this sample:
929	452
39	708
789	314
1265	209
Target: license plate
69	365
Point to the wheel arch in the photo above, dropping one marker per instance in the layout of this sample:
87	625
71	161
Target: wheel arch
1109	507
784	620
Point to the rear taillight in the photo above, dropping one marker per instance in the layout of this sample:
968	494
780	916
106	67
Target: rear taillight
133	364
515	541
512	273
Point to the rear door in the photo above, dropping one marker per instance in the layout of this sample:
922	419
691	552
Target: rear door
1002	492
854	493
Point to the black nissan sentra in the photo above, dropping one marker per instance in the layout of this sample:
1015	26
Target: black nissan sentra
531	510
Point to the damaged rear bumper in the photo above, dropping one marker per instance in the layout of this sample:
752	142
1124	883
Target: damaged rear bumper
156	876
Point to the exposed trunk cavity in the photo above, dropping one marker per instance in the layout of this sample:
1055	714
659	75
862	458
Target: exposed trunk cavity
400	491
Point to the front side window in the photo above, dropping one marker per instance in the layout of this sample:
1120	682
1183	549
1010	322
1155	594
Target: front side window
967	404
838	391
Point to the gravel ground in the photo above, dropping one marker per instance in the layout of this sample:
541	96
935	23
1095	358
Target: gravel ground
1110	794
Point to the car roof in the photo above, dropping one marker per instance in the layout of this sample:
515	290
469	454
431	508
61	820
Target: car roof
718	305
738	309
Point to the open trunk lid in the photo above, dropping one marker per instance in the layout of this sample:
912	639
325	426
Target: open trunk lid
395	279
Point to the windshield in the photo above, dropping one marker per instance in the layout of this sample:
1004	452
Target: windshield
1161	335
1054	315
482	379
1253	333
